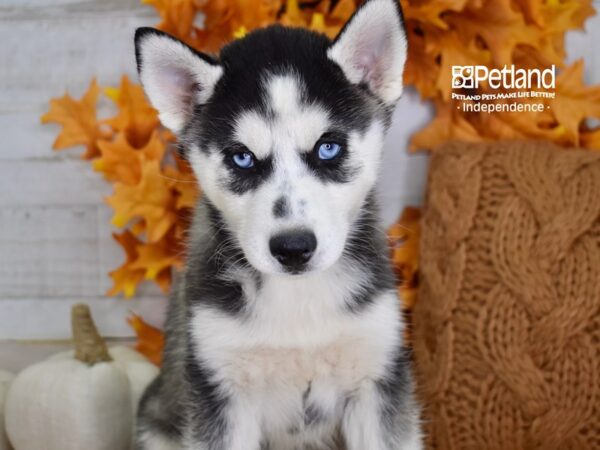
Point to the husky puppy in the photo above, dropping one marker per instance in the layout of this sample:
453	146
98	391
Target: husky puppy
284	332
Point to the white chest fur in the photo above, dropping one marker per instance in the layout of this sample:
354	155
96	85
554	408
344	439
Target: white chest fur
298	344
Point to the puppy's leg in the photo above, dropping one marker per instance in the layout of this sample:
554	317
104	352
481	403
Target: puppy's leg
157	427
236	427
244	425
373	421
361	424
150	440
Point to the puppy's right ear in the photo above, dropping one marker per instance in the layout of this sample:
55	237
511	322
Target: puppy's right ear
175	77
371	48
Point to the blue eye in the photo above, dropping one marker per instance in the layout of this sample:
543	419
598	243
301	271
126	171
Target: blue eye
329	150
244	160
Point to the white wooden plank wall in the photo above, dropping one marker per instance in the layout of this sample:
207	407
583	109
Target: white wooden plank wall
55	237
55	244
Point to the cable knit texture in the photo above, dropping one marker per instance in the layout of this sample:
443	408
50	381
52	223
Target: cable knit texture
507	325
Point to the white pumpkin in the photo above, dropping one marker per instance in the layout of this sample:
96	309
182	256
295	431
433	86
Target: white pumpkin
85	399
5	380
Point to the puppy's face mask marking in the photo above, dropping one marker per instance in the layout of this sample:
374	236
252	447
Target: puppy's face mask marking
285	130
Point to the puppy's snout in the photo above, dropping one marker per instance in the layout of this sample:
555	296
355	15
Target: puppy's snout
293	249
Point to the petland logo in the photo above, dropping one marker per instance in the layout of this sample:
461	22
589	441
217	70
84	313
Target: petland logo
503	84
507	78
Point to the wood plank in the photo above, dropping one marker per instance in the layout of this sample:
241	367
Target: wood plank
25	137
40	9
53	252
65	47
50	182
50	252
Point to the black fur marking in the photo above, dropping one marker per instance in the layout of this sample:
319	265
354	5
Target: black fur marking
276	50
154	416
396	389
281	208
367	248
312	415
208	282
243	180
306	393
208	413
294	429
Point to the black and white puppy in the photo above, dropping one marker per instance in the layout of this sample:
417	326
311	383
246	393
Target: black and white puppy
285	331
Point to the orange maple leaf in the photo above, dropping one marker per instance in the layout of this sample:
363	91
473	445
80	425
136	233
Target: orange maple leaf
78	119
532	11
136	117
404	237
185	184
126	278
177	16
294	16
164	279
150	341
154	258
119	161
454	50
341	12
591	139
152	199
564	15
574	101
556	18
510	126
432	12
422	67
449	124
223	18
499	26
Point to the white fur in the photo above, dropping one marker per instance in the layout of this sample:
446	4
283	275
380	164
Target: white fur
157	441
245	414
372	49
255	132
296	127
361	424
175	78
298	333
414	439
284	93
328	209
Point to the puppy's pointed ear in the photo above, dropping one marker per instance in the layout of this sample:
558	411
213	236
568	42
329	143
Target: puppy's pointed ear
371	48
175	76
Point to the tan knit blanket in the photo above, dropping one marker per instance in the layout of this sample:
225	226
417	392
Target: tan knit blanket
507	324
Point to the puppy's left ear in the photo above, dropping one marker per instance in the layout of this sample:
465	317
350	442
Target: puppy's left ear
175	77
371	48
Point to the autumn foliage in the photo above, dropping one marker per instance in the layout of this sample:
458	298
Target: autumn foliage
494	33
150	339
154	190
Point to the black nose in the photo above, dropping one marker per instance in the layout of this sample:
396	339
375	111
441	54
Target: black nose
293	249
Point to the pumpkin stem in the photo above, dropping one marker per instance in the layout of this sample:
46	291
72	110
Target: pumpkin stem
90	348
